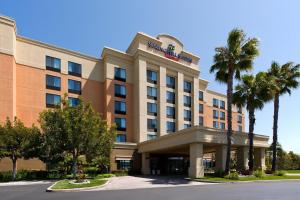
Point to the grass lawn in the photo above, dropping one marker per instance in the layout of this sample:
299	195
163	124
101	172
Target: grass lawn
65	184
248	178
293	171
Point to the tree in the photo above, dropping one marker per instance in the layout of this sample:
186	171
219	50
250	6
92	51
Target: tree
75	131
229	62
16	141
252	93
285	78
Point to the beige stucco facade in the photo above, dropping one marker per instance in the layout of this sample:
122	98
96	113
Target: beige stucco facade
23	71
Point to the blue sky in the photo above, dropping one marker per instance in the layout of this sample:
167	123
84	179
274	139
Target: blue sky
86	26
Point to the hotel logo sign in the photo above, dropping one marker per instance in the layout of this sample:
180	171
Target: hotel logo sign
169	52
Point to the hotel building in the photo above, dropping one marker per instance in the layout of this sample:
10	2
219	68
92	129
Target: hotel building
168	121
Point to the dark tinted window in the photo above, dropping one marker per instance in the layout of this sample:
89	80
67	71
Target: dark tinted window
170	96
170	81
73	101
121	124
74	86
120	107
52	100
120	90
121	138
152	108
74	68
152	76
120	74
53	82
53	64
170	126
187	86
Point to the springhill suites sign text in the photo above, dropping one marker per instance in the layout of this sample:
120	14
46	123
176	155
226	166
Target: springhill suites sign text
169	52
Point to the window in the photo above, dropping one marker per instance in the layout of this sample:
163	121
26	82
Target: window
215	103
170	112
240	128
201	120
53	64
120	90
222	115
187	115
222	125
152	109
124	165
200	108
74	86
52	100
151	92
120	74
215	124
222	104
73	101
187	86
240	118
170	127
240	109
74	69
152	124
121	124
152	76
170	97
121	138
216	114
187	101
52	82
120	107
186	126
151	136
200	95
170	81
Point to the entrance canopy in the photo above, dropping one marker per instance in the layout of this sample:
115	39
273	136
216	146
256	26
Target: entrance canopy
199	134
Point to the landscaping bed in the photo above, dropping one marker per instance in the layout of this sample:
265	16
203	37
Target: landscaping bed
67	184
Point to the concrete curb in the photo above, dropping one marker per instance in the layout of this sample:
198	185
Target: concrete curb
49	189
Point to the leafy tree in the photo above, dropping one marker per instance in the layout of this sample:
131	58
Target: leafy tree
252	93
75	131
229	62
285	78
17	141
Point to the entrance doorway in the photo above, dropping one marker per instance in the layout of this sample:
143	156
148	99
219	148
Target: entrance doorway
169	164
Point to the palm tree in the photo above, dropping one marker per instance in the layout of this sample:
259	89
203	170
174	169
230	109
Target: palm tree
285	78
252	93
229	62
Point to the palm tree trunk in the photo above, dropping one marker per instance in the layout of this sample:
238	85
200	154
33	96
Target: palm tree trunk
229	120
275	129
251	135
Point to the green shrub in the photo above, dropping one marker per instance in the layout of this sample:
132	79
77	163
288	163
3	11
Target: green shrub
280	173
120	173
219	173
259	174
104	175
91	171
232	176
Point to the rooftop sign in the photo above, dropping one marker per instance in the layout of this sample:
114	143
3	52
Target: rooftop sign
169	52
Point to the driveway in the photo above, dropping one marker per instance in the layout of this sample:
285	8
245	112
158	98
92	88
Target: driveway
138	182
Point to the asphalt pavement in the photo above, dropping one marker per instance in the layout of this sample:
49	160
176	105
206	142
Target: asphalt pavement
279	190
